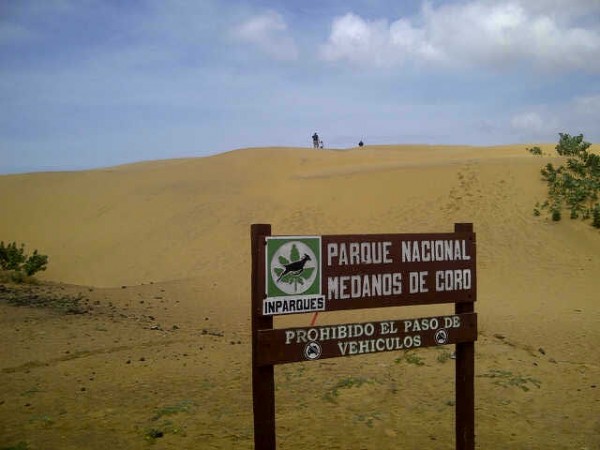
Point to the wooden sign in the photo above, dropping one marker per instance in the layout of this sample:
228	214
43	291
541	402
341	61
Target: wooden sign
300	274
332	341
329	273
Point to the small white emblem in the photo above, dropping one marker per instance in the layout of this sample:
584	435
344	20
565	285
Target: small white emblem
312	350
441	336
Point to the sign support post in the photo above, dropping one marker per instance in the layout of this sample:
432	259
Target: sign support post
263	380
465	374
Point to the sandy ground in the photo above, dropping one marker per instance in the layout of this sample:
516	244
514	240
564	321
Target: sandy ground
146	340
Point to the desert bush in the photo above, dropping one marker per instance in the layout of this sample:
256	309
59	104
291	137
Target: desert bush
596	216
574	186
11	256
14	260
535	150
35	263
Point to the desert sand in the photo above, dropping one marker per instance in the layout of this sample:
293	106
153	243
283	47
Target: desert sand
146	342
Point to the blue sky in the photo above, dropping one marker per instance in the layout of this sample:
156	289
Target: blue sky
94	83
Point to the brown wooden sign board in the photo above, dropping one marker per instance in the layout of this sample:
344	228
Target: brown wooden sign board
299	274
330	273
332	341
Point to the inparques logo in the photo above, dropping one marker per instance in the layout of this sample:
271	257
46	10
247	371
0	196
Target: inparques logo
293	266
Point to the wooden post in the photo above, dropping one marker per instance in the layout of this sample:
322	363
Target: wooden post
263	381
465	373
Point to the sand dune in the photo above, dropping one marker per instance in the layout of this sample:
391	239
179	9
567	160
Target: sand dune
176	219
184	226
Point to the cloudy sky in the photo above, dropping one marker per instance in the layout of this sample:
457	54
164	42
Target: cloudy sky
92	83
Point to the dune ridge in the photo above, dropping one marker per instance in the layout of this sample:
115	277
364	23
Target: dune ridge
97	225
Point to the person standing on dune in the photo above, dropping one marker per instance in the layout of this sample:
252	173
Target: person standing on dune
315	138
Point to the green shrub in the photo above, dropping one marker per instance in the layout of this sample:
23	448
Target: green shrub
14	259
11	256
596	216
574	186
556	215
535	151
35	263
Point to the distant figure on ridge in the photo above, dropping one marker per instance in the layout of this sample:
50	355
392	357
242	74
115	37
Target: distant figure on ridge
315	138
320	144
361	143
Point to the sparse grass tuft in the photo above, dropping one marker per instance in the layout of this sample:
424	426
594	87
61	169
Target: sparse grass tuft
182	406
152	434
506	378
165	426
345	383
20	446
368	419
13	276
43	419
444	356
29	392
30	296
411	358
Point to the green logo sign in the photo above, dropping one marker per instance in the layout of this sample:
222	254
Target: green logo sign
293	266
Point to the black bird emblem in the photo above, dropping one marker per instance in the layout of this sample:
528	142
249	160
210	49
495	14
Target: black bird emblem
296	267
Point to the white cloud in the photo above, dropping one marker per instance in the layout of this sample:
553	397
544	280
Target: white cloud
268	32
529	122
560	9
356	40
543	122
477	33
